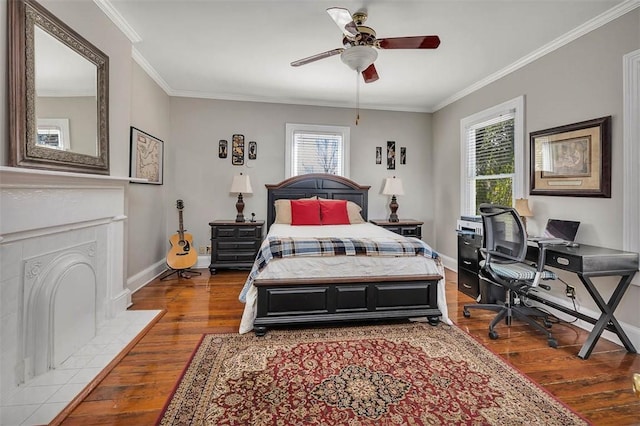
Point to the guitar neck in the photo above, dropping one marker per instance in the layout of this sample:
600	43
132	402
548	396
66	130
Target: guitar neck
180	226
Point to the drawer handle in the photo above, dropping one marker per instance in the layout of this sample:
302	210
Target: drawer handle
466	243
563	261
466	285
466	262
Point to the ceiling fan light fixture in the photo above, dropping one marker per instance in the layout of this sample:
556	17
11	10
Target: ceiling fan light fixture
358	58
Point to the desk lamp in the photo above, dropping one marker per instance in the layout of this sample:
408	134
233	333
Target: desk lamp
393	187
522	207
241	184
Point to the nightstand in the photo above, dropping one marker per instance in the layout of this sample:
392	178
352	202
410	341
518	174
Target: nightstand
234	245
405	227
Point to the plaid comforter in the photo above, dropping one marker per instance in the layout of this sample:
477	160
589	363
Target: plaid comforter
282	247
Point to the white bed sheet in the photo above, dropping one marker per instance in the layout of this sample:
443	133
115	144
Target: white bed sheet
342	266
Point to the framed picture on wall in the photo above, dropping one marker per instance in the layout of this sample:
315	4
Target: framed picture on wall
237	150
146	157
378	155
572	160
253	150
403	155
222	148
391	155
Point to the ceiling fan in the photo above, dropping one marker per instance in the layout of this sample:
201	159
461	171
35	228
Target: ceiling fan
360	43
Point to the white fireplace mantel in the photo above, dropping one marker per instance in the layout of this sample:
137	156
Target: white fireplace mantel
62	247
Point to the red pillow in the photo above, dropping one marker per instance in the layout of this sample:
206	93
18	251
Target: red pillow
334	212
305	212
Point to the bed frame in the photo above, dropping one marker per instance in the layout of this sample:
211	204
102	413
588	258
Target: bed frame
338	300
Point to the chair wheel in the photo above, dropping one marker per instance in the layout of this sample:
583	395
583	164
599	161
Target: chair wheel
493	335
466	313
553	343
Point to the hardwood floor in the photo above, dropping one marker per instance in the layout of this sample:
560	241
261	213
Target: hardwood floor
135	391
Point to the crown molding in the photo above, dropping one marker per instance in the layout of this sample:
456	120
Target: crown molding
593	24
289	101
146	66
115	16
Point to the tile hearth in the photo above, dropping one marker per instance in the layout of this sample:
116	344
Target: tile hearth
41	399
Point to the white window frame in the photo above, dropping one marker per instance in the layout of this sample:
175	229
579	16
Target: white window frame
631	135
514	106
291	128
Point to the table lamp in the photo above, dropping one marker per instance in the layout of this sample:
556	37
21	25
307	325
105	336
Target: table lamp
241	184
393	187
522	207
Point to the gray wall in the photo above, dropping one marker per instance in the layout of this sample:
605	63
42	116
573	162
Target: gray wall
203	180
577	82
4	125
146	226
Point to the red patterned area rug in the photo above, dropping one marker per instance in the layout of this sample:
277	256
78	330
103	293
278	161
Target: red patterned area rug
403	374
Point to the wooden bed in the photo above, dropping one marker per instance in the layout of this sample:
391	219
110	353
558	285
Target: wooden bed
338	300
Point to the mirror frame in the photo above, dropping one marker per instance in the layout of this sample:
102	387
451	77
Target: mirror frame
23	16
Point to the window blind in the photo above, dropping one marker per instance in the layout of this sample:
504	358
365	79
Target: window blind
490	162
317	152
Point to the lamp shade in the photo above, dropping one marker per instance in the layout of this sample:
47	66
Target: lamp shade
393	186
522	207
241	184
358	58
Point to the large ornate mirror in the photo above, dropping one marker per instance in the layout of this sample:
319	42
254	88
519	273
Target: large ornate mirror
58	94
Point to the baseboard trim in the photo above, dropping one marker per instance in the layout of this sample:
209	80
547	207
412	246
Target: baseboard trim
145	276
449	263
203	262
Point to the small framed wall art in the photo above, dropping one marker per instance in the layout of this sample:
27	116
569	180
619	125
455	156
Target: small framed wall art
403	155
237	150
222	148
378	155
146	157
572	160
391	155
253	150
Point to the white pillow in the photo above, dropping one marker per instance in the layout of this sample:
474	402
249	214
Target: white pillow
353	210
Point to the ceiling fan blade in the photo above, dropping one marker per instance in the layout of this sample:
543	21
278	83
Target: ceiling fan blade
344	21
317	57
370	74
417	42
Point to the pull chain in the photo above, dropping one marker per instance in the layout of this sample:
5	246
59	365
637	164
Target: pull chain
357	97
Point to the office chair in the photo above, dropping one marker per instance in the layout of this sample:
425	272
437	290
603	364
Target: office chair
504	251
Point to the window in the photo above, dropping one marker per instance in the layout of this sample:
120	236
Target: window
316	149
492	161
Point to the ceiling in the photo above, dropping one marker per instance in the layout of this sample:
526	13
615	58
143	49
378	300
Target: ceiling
242	50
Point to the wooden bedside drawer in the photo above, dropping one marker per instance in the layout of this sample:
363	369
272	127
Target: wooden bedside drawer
404	227
234	245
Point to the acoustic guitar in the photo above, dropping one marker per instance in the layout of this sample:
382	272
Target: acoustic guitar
182	254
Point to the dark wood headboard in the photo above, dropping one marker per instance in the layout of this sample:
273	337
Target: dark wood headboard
322	185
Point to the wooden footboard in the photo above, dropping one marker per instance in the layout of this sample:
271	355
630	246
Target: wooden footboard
345	300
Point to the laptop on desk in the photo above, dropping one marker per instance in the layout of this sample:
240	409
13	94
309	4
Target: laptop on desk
558	232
